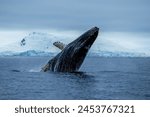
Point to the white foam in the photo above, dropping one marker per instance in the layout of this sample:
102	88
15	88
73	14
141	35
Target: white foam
35	70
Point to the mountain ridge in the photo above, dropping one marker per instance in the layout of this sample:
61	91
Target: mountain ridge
41	44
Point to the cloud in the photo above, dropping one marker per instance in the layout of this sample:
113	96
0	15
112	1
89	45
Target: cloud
115	15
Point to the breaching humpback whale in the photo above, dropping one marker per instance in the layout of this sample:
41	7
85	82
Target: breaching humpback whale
72	55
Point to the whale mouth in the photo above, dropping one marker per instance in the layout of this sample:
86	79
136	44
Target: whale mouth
87	39
77	50
72	56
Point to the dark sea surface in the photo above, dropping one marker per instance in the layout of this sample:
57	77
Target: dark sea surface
101	78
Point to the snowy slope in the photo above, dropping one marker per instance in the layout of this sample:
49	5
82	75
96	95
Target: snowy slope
35	43
107	44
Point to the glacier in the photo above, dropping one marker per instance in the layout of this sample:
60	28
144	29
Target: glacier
107	45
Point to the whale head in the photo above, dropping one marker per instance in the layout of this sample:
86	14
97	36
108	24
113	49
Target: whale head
72	56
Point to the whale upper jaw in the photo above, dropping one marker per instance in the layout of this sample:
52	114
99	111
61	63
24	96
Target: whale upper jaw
73	55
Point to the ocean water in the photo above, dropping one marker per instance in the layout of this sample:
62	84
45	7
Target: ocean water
99	78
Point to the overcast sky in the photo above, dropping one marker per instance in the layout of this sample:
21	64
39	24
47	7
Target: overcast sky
110	15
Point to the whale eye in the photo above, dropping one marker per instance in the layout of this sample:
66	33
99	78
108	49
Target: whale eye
87	47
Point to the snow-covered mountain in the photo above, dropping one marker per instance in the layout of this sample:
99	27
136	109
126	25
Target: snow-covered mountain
41	44
36	43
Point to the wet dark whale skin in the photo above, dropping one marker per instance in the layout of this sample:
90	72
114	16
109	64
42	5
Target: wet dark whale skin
72	56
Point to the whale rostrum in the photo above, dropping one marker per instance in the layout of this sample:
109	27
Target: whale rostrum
72	55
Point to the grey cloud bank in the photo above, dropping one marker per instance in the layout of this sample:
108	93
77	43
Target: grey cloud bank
110	15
